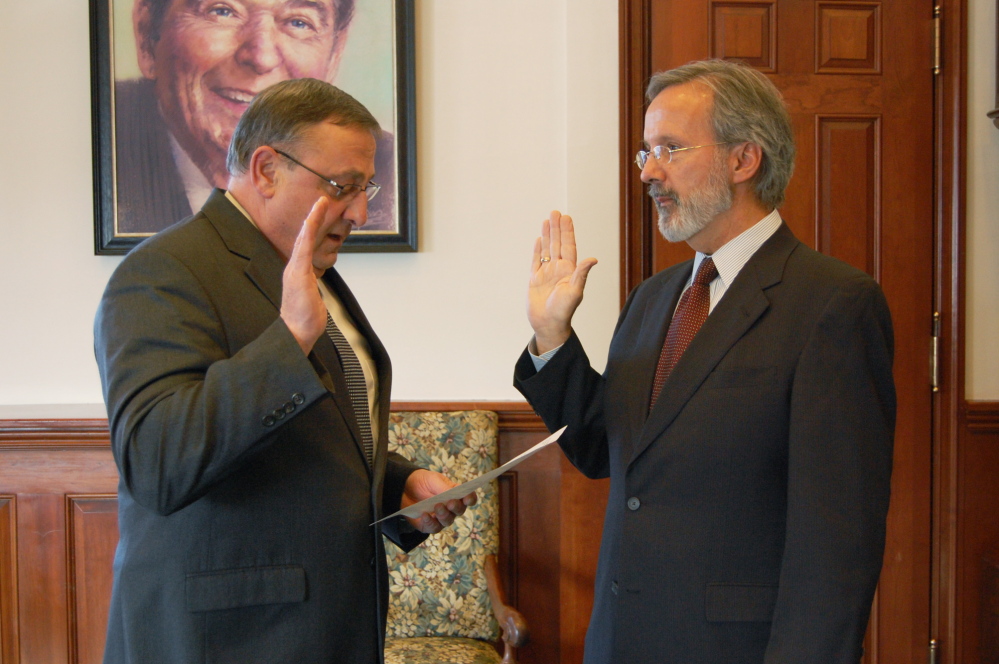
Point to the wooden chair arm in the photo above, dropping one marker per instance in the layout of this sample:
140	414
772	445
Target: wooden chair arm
512	623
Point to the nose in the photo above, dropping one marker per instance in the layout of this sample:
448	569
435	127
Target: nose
258	47
357	211
652	171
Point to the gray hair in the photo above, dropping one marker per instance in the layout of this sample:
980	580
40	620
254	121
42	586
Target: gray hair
280	114
747	107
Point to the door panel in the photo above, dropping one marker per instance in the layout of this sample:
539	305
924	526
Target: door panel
857	78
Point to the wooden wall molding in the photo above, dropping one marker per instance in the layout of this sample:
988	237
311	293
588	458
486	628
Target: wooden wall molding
982	417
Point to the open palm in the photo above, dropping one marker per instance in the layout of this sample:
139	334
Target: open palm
556	285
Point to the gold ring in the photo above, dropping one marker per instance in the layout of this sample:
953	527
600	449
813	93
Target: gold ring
545	259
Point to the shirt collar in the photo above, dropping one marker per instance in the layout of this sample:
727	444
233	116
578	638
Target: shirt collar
734	254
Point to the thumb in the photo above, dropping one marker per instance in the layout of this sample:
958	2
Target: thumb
578	279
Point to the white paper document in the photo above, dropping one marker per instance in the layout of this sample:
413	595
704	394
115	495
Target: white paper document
468	487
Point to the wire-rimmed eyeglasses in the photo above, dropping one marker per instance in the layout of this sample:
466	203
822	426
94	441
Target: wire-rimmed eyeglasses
643	155
342	190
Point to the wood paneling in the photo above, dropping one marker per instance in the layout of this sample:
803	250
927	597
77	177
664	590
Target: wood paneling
8	581
745	31
92	536
55	579
847	187
848	38
978	525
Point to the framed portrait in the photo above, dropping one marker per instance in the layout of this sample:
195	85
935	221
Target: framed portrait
171	78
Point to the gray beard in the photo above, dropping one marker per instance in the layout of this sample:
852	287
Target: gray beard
694	212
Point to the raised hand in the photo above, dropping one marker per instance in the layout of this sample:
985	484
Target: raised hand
302	306
557	282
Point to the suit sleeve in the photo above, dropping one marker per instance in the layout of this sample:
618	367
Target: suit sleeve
183	413
569	392
841	429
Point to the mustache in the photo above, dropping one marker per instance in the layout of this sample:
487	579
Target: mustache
659	191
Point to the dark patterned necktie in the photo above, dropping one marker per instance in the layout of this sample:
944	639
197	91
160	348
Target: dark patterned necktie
356	386
690	315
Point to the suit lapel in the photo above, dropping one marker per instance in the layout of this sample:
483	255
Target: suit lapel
741	306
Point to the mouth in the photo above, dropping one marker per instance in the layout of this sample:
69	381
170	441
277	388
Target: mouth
235	95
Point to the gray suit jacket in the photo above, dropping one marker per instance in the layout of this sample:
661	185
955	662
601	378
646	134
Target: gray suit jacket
746	517
245	499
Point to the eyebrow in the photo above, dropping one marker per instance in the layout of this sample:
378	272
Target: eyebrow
321	8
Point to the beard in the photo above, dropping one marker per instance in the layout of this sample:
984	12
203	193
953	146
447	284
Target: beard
691	213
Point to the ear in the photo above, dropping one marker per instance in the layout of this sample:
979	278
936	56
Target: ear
264	172
748	158
144	45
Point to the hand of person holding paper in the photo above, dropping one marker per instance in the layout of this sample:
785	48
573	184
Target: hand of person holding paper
424	484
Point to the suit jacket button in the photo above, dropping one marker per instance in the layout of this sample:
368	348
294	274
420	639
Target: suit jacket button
614	587
289	408
268	421
634	503
278	413
372	563
297	398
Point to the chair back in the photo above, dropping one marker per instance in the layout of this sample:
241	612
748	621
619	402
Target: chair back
439	588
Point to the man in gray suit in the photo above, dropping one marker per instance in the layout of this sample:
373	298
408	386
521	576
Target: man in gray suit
746	414
248	400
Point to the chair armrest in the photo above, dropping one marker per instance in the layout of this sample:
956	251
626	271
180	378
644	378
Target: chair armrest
511	621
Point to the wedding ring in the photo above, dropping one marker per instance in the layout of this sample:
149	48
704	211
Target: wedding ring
545	259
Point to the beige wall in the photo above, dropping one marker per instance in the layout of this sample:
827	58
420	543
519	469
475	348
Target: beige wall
982	338
516	115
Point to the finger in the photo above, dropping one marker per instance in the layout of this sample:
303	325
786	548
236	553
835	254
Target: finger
429	524
556	233
305	243
578	279
568	238
456	507
546	239
536	259
470	499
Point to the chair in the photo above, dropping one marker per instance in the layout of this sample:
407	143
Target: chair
446	600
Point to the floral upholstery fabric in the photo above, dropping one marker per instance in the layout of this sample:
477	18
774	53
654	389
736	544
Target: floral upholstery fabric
438	650
439	588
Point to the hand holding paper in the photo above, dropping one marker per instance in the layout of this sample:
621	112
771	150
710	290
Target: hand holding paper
428	506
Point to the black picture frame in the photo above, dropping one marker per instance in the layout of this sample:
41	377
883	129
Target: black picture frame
109	240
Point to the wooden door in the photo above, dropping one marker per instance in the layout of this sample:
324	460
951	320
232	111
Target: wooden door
857	77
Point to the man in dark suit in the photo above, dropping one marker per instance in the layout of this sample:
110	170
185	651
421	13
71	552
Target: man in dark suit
248	400
201	65
747	410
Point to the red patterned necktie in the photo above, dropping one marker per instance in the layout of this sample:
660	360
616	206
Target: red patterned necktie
687	320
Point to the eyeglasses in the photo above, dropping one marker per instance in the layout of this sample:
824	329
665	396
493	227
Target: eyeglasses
342	190
643	155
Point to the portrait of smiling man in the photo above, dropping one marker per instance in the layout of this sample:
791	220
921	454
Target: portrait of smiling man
201	62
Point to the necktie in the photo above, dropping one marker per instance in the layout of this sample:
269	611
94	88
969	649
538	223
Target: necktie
355	385
687	320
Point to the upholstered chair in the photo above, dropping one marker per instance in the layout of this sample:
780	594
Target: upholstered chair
446	600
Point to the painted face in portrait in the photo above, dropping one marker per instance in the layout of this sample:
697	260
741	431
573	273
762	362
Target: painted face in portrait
211	57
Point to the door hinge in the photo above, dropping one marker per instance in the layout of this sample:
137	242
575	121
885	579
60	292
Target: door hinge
936	40
934	649
935	354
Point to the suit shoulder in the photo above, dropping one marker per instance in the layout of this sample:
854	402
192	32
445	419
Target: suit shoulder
818	269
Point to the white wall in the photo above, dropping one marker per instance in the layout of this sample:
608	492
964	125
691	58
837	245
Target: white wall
516	115
982	335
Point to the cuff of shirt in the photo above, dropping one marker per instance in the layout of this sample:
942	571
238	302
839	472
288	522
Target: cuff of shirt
540	360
